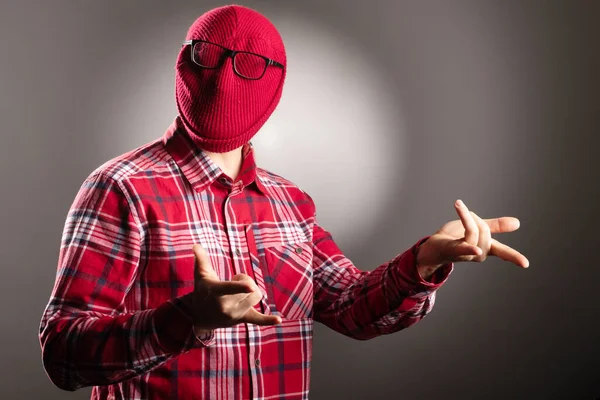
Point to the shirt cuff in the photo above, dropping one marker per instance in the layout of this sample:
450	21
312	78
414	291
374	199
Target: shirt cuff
175	330
410	281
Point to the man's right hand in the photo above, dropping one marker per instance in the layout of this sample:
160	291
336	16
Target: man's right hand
220	304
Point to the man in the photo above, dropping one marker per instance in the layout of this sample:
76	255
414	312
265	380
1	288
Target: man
185	271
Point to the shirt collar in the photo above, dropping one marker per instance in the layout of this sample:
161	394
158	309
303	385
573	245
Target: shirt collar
197	167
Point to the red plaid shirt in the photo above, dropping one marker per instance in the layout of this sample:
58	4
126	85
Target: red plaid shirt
116	319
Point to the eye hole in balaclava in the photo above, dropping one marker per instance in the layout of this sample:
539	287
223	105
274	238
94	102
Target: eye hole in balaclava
221	110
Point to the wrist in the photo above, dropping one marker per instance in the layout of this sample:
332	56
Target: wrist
202	334
423	264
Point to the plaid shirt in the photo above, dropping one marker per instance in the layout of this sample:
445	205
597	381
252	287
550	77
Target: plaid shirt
116	319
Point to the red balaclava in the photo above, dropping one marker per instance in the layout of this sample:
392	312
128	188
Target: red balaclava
220	110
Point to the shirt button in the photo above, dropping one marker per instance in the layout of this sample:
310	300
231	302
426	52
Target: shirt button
298	250
238	252
257	362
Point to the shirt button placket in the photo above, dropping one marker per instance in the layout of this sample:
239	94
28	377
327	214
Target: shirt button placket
253	354
232	236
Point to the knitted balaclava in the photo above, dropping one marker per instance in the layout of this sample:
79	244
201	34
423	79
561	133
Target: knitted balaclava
220	110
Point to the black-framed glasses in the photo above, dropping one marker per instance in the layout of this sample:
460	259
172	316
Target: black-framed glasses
245	64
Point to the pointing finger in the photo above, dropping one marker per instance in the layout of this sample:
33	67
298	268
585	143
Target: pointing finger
509	254
471	229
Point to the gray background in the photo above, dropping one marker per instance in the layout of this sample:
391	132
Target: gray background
500	107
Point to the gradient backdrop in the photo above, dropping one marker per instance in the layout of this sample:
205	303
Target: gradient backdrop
392	110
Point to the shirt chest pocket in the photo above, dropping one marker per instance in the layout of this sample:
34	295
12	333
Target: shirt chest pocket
288	277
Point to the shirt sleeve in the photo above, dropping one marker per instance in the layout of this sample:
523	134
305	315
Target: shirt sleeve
87	334
366	304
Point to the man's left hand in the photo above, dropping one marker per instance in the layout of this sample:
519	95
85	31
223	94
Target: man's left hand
467	239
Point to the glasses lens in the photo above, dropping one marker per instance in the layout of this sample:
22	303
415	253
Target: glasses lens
207	54
250	65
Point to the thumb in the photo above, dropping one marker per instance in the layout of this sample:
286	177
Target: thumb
203	269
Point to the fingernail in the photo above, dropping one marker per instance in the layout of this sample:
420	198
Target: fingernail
459	203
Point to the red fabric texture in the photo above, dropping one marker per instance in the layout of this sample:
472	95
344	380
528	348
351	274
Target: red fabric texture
118	318
222	111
